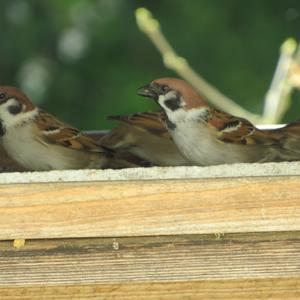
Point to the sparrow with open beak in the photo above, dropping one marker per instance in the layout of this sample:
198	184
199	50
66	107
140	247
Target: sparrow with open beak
207	136
146	136
38	141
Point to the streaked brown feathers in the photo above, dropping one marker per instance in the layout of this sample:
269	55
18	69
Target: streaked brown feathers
57	132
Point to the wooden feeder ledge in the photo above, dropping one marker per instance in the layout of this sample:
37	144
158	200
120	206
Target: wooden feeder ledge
221	232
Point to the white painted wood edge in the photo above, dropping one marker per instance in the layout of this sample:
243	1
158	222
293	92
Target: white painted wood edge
156	173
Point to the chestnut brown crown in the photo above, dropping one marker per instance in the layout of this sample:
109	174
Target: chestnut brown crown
162	86
10	92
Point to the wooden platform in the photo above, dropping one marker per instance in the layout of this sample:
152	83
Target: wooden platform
226	238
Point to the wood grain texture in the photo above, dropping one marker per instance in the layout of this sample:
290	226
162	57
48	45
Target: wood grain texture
265	289
150	259
139	208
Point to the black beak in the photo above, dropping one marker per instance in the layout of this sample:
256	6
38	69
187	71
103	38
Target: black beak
148	91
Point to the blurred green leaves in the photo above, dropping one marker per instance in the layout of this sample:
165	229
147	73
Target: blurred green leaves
84	59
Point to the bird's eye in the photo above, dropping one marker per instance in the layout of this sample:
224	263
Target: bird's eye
165	88
2	96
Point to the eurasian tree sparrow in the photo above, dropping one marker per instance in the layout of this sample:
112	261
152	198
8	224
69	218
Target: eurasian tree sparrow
38	141
207	136
146	136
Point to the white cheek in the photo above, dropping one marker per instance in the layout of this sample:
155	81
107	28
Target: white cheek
161	101
9	102
10	120
176	115
4	113
163	98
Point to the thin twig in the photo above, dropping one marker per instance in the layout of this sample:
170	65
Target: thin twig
277	99
151	28
295	70
295	75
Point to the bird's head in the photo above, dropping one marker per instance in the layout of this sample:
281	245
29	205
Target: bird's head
173	95
14	105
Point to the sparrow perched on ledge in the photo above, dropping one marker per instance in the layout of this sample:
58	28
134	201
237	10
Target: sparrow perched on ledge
38	141
207	136
146	136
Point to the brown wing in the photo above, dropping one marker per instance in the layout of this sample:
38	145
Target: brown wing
57	132
154	122
235	130
292	128
289	137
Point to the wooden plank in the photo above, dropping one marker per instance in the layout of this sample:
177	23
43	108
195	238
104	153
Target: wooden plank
150	259
266	289
139	208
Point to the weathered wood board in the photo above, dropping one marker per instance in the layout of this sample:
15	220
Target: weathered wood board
149	207
233	266
255	289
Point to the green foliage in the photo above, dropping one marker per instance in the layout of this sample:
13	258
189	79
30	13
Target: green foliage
83	60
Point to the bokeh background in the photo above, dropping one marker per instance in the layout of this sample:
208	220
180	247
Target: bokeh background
84	59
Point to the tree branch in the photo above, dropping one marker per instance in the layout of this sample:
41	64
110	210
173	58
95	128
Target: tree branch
151	28
277	99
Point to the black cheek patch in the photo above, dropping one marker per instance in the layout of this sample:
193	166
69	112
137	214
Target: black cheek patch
15	109
2	129
173	103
